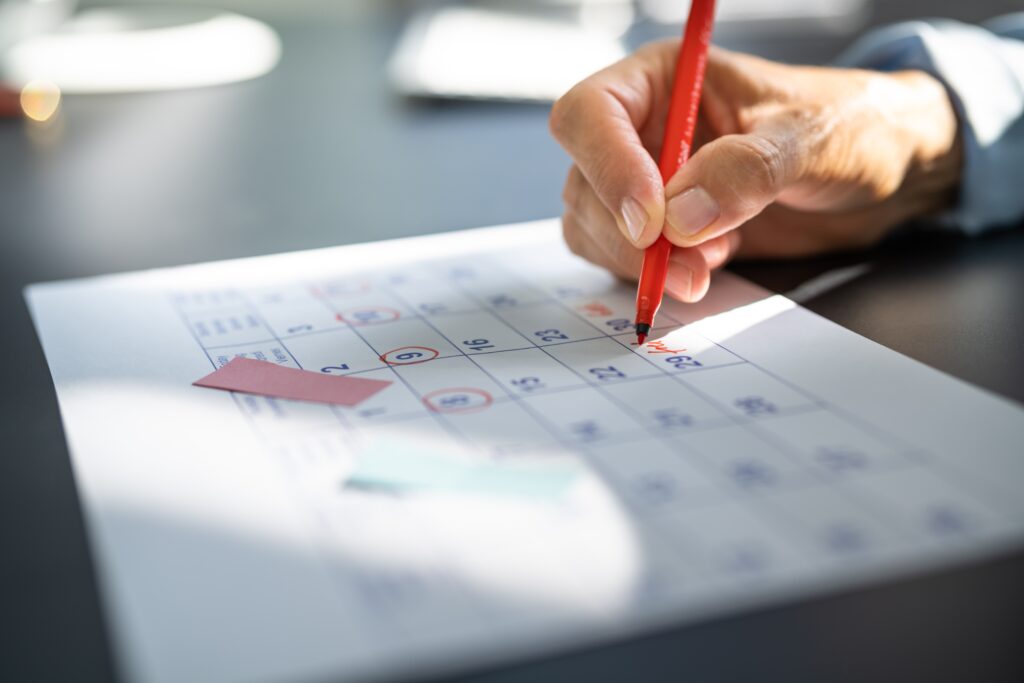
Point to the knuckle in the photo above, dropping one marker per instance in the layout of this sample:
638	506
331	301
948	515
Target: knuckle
574	193
762	162
565	113
603	172
624	257
571	235
570	191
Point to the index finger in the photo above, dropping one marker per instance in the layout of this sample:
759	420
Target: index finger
598	123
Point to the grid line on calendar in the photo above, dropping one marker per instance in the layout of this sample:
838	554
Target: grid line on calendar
498	307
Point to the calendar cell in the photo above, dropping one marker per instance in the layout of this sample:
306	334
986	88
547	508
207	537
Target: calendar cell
505	427
384	339
504	296
276	418
549	323
926	506
290	311
427	297
653	475
336	352
229	327
677	409
602	361
734	543
834	524
832	445
748	391
479	332
681	350
745	462
582	416
394	402
612	310
271	351
444	374
206	300
544	374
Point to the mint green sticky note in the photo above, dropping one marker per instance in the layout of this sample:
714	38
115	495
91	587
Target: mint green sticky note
409	466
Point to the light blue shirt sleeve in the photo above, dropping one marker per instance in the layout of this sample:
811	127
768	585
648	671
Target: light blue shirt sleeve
982	67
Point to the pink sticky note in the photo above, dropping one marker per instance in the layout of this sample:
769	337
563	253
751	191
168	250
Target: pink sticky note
270	379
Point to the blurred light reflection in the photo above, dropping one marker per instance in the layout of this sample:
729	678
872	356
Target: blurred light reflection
140	49
40	100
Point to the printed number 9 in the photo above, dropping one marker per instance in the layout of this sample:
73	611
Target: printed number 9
409	355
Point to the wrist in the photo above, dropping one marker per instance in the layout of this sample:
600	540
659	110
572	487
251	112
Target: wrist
930	122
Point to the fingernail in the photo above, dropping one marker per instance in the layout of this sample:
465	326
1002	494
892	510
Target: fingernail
679	281
635	217
692	211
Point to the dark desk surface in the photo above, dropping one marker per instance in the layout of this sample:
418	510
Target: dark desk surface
321	153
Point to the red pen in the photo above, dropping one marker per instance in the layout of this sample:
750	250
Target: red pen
675	150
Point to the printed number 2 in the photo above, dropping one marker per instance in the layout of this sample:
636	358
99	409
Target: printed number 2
608	373
330	369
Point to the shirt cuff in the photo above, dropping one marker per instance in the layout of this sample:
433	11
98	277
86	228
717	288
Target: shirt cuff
984	75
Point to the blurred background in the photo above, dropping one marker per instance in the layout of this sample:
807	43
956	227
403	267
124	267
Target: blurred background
334	121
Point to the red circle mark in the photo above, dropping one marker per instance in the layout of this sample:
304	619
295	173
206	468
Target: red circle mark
350	316
430	400
384	356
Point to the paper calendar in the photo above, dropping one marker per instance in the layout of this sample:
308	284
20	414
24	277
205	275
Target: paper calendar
531	480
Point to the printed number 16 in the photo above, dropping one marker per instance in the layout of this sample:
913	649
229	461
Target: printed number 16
478	344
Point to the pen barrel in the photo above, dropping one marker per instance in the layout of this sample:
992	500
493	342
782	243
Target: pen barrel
681	121
652	281
680	125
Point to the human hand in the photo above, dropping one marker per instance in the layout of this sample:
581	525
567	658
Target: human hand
790	161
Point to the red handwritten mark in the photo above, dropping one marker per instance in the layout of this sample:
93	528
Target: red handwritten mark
370	315
660	347
457	400
413	355
596	309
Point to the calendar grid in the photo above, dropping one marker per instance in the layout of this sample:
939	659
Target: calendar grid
437	417
877	508
749	482
747	424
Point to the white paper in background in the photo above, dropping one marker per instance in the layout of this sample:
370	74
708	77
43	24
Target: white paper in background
477	53
753	453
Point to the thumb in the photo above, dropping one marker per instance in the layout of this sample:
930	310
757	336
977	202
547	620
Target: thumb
728	182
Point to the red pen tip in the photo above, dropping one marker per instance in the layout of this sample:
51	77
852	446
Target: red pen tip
641	338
